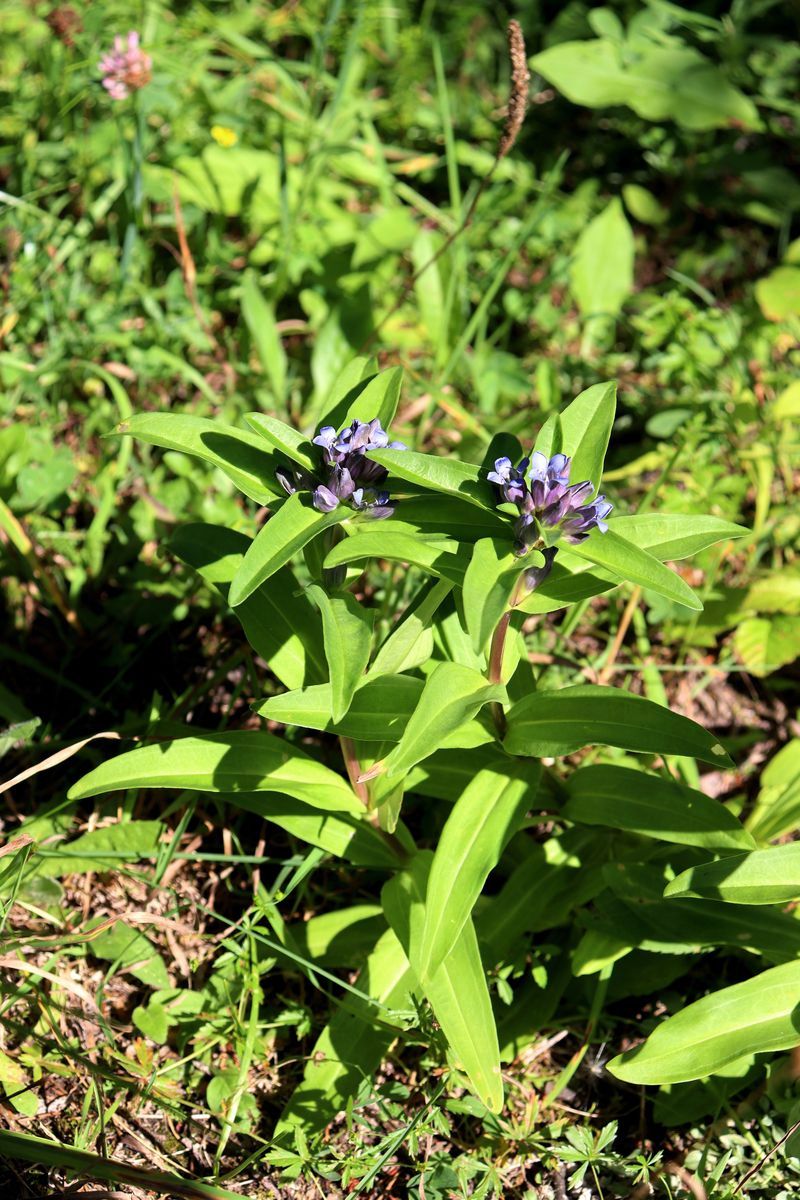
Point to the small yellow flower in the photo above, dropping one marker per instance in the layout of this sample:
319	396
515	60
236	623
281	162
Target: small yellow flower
224	136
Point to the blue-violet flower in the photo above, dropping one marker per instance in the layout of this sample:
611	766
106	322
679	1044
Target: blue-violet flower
349	476
550	508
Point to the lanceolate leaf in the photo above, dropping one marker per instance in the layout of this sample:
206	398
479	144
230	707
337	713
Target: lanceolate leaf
452	695
479	827
288	530
347	386
758	1015
340	833
347	628
453	517
410	643
491	575
285	438
379	711
378	399
243	761
279	622
438	474
770	876
350	1048
436	555
585	430
612	551
622	798
555	723
240	455
672	536
457	992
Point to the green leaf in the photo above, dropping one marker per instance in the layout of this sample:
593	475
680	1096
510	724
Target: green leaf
446	475
288	530
671	82
770	876
453	517
601	274
260	320
410	643
239	455
347	386
622	798
350	1048
557	723
674	536
777	808
479	827
550	437
490	576
457	992
345	835
101	850
132	952
285	438
242	761
379	711
778	294
636	565
586	428
347	632
343	936
762	1014
643	206
15	1081
452	695
763	644
436	555
279	622
378	399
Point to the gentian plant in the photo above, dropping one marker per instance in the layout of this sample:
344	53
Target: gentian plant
413	740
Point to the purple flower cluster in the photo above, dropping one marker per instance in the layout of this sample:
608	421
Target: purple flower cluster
550	508
350	477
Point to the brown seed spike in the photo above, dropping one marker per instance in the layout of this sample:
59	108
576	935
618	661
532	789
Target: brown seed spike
520	79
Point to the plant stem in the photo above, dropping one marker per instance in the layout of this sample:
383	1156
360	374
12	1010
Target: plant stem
354	770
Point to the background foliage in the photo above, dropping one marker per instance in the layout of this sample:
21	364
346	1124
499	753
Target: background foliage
229	243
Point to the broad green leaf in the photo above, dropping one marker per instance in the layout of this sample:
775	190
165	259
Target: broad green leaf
410	643
564	586
447	773
260	320
777	807
586	428
601	274
549	440
764	644
345	835
100	850
288	530
778	294
242	761
457	992
437	474
622	798
132	952
636	565
491	575
285	438
343	936
378	399
278	620
770	876
557	723
379	711
350	1048
348	384
241	456
670	82
643	205
452	695
759	1015
436	555
443	514
674	536
347	632
16	1086
479	827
